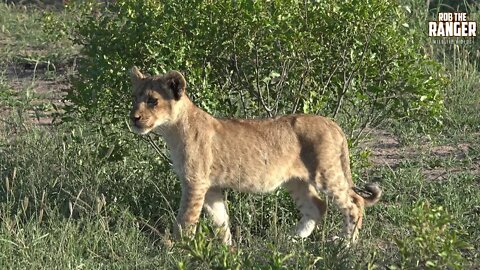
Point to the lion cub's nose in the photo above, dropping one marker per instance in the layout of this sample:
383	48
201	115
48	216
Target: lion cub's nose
136	118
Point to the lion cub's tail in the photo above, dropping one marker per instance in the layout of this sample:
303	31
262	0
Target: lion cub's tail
374	193
373	190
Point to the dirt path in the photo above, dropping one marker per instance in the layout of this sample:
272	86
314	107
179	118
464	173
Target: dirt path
440	160
37	90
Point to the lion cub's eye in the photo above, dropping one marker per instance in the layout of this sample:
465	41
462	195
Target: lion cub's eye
152	101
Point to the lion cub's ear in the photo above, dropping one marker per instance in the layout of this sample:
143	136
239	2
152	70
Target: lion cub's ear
136	75
176	82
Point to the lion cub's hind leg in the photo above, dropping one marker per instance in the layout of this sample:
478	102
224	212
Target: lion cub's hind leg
215	206
352	211
335	185
309	203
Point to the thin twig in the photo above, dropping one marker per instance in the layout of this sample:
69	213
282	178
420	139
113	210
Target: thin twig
157	149
350	77
257	82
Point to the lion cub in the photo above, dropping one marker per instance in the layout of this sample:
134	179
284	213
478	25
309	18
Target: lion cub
302	153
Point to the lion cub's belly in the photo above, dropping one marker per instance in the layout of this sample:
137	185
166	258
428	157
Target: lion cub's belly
254	181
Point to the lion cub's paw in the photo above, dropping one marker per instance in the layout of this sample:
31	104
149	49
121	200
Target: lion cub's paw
342	240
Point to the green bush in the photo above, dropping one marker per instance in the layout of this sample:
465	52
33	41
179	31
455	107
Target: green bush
357	60
435	241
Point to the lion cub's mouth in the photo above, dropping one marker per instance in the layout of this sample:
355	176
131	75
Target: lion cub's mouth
140	129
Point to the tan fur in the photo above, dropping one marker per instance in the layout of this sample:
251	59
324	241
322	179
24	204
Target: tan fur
302	153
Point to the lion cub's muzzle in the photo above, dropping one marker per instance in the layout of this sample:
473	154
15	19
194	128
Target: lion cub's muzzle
136	119
138	124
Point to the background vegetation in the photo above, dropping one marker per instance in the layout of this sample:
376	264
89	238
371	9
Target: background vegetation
83	192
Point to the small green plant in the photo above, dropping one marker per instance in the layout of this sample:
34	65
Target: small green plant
359	161
435	242
205	250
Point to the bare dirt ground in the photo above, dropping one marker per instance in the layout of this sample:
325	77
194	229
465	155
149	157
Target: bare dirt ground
388	151
41	90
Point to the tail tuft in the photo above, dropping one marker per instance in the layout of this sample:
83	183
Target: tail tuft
374	193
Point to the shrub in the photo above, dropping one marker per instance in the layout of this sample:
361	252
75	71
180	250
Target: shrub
435	242
354	60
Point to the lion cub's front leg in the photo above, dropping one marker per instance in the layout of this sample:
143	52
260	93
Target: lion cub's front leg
190	208
216	208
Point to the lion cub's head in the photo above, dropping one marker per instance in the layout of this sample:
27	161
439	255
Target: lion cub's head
154	99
